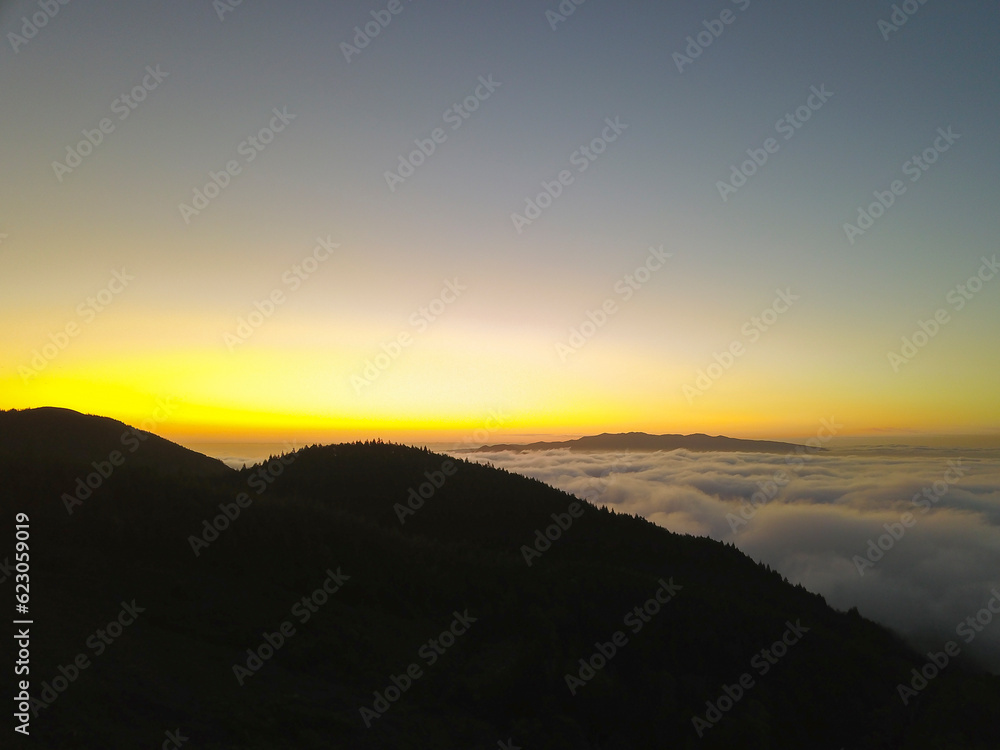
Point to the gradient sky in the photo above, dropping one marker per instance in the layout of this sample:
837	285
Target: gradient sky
493	349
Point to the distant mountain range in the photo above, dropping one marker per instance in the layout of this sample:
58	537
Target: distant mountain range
373	595
641	441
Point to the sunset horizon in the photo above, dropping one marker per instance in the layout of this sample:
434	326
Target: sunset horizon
561	375
167	417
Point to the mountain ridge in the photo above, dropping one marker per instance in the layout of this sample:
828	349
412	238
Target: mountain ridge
550	579
61	434
646	442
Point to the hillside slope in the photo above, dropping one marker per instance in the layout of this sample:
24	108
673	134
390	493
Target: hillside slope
434	620
56	435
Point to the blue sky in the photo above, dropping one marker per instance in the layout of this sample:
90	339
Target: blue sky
656	184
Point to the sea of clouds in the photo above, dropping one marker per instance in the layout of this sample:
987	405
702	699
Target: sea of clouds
820	520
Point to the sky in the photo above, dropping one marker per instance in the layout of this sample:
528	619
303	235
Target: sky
413	220
910	536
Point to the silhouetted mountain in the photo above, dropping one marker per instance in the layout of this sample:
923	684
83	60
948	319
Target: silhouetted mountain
418	546
641	441
53	434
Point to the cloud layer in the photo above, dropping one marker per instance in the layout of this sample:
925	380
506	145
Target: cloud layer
910	536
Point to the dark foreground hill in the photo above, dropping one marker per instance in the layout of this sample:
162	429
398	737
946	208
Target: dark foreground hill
380	596
54	435
642	441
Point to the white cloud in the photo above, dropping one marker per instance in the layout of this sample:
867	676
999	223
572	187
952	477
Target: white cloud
940	571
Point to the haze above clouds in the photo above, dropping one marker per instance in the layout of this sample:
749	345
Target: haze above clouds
816	528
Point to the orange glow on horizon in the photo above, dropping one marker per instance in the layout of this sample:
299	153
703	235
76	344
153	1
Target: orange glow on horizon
456	389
